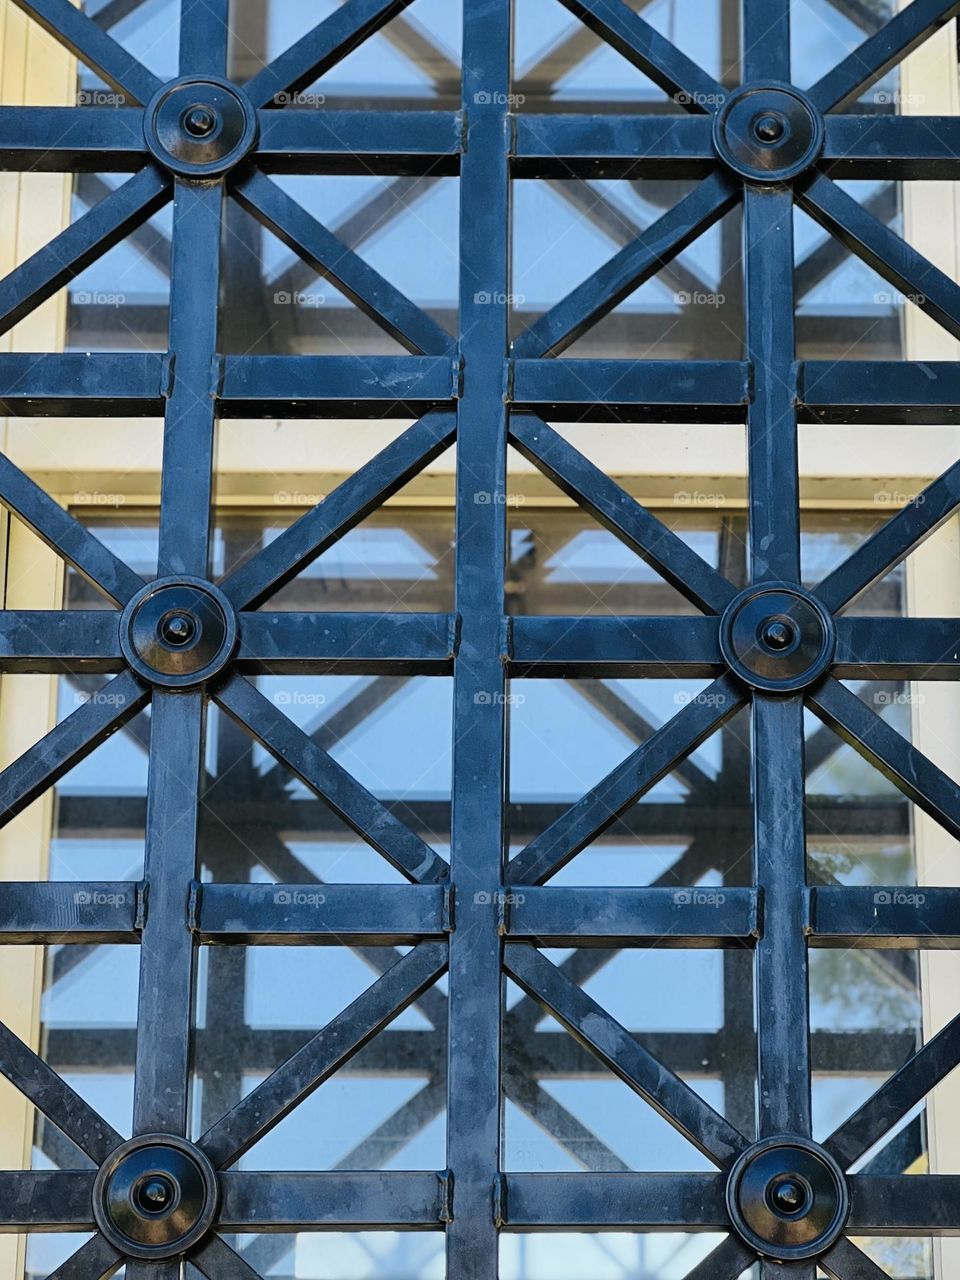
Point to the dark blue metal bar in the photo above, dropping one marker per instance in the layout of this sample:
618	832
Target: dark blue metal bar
341	643
879	391
632	390
624	786
634	648
360	142
361	811
897	649
344	1036
69	911
336	386
87	239
765	36
615	1202
335	914
659	60
204	32
601	292
597	1031
71	140
83	385
320	49
882	249
907	148
885	917
332	259
51	1200
72	28
923	1204
633	524
655	917
897	38
53	642
350	503
217	1261
334	1201
620	146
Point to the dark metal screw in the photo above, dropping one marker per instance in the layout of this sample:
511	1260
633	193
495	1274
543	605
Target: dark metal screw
788	1197
177	629
768	128
155	1195
200	121
777	634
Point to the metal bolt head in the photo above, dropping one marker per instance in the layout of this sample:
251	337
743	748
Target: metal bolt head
177	629
788	1197
200	121
155	1195
769	128
777	634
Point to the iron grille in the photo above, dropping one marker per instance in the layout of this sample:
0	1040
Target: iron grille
182	640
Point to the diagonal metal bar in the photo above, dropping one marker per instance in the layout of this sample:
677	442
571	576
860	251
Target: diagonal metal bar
113	12
71	741
350	503
633	524
658	245
844	1261
898	1095
87	239
72	28
643	46
66	536
95	1260
624	786
263	1108
320	49
897	759
352	802
728	1261
830	255
882	249
51	1095
895	40
217	1261
597	1031
335	261
893	541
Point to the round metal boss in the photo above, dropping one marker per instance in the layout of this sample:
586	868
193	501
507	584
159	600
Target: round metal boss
787	1198
178	632
768	133
777	637
200	127
155	1197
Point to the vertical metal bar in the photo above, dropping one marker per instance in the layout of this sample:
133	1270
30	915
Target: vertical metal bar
778	765
474	1074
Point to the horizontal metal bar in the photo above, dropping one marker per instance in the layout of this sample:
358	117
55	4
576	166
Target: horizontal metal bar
897	917
623	917
46	1200
386	143
632	390
345	643
897	649
901	148
612	146
69	911
331	1201
78	384
632	648
51	641
922	1204
879	392
338	386
311	914
71	140
615	1201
